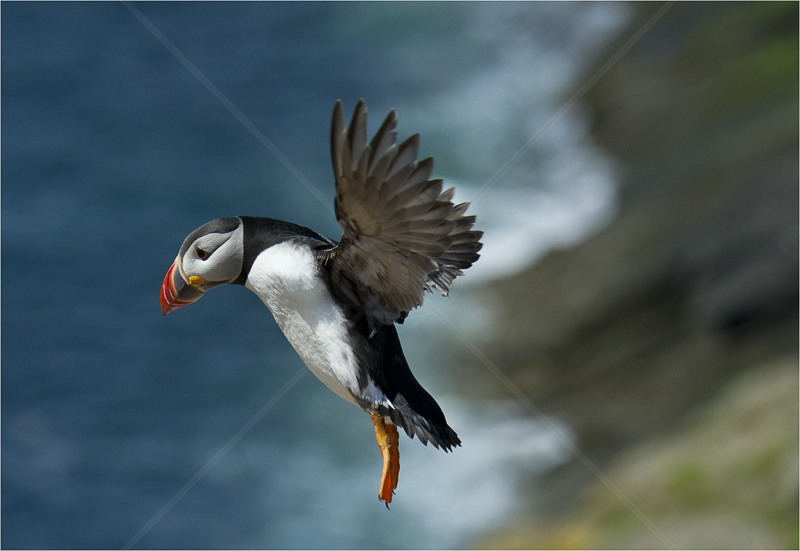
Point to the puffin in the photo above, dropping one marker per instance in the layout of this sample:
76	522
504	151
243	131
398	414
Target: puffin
337	303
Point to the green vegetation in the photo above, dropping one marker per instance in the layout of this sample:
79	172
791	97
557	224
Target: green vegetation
669	340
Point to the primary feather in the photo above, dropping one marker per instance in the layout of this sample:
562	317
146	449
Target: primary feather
402	235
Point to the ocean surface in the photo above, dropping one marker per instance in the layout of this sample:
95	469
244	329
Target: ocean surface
124	128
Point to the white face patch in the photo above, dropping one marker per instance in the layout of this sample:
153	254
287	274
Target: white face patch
224	261
285	277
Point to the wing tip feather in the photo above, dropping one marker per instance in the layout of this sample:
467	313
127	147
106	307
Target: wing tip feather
413	210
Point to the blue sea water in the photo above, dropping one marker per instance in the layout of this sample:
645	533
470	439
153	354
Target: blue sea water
113	151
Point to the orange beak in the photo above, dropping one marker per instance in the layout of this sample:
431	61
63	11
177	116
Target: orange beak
175	292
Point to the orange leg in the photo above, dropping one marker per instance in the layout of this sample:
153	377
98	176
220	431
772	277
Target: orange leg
389	441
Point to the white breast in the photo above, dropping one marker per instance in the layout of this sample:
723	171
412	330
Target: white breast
286	278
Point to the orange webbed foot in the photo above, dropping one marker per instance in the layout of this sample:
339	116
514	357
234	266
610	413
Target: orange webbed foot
389	440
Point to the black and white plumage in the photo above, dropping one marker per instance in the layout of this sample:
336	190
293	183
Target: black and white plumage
337	302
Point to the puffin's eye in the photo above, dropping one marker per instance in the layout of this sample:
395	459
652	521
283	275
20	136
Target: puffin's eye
202	254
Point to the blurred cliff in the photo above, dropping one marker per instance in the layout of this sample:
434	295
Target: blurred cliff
669	340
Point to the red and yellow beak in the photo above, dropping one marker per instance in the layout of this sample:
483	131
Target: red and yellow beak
175	291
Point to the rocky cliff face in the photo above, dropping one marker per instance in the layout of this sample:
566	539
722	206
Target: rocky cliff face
696	281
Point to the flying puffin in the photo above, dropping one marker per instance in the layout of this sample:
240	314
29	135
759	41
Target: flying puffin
337	303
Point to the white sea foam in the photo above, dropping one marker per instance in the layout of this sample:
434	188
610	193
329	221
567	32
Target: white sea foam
442	501
457	496
563	187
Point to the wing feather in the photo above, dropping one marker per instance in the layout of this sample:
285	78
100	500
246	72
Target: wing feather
402	235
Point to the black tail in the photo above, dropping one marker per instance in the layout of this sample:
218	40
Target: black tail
414	409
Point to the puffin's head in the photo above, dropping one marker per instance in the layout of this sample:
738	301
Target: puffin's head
212	255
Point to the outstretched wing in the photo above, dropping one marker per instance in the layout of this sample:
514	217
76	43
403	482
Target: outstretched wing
402	234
